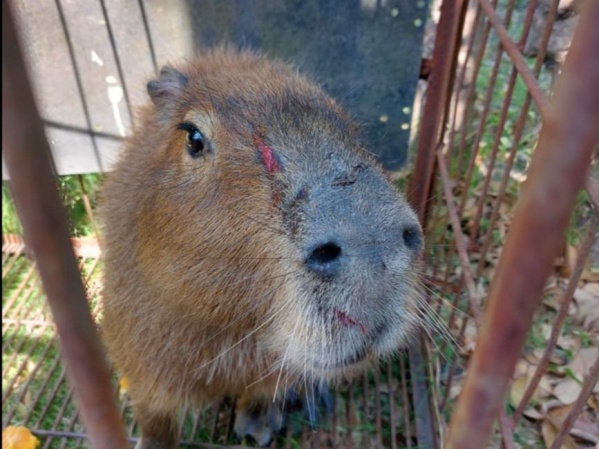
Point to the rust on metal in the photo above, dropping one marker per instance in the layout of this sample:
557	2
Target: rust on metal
533	242
46	230
460	240
517	136
444	52
512	50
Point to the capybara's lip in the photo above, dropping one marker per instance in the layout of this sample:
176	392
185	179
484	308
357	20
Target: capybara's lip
373	332
348	321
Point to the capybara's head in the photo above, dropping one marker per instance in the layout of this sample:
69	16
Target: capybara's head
247	211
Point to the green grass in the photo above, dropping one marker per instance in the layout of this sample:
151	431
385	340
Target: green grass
71	190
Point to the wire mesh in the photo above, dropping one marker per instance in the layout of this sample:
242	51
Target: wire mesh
478	165
480	169
35	391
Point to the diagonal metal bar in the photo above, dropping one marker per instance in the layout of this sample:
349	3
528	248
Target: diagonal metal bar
557	173
27	156
512	50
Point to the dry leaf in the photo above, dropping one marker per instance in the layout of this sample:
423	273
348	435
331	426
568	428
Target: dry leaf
456	389
583	361
550	404
124	384
582	428
567	390
549	431
569	342
18	438
545	387
517	390
588	309
470	337
533	413
523	366
592	288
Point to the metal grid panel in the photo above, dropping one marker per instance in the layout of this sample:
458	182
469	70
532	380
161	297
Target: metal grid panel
473	170
35	390
473	183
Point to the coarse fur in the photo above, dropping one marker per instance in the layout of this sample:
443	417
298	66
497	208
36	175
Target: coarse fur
277	255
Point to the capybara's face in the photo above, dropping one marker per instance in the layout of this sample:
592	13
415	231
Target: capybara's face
262	215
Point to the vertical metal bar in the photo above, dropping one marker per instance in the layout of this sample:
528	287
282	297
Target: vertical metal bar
557	173
462	76
404	396
436	109
448	32
27	157
392	395
425	431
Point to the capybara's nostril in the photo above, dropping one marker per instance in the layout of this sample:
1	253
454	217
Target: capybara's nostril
412	237
324	259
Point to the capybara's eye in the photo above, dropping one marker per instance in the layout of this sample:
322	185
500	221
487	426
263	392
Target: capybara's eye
196	142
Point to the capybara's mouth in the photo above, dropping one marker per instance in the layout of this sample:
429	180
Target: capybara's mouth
372	332
348	321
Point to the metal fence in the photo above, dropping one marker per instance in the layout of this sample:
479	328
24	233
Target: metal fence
495	213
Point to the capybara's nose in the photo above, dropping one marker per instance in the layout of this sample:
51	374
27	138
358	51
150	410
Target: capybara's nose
412	237
325	259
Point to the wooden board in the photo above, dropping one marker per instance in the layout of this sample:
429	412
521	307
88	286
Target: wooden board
90	60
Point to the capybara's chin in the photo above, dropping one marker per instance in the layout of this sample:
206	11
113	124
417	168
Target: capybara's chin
251	243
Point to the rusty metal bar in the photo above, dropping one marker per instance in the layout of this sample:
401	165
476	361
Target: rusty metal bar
34	402
406	401
85	247
448	33
391	393
45	225
462	77
365	408
471	89
517	135
514	53
557	173
436	109
467	273
425	431
502	120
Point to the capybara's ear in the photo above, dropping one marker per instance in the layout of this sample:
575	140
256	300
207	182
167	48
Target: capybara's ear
166	89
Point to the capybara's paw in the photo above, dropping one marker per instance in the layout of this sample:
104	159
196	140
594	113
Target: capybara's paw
315	403
258	421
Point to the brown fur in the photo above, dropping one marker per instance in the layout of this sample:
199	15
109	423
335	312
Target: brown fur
205	289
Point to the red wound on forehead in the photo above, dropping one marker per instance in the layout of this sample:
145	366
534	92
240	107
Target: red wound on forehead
268	157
